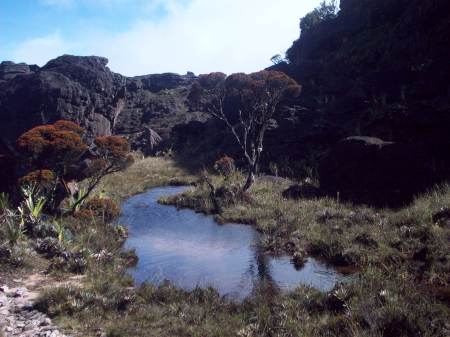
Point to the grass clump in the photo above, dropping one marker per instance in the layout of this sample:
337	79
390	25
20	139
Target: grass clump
142	175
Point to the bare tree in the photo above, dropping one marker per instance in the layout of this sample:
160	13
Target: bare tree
252	102
112	155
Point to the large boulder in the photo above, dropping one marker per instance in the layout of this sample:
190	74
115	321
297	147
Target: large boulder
370	170
147	141
304	190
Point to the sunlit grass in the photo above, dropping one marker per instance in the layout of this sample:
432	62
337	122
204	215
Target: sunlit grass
142	175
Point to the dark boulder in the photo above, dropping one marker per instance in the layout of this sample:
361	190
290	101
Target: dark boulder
9	70
370	170
147	141
305	190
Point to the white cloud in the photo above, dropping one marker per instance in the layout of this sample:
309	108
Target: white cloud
42	49
199	36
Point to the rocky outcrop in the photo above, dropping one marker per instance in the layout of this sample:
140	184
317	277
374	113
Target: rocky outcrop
367	169
304	190
378	68
147	141
85	90
9	70
19	318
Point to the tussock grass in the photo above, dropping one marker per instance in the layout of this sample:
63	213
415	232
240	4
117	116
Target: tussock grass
339	232
402	257
142	175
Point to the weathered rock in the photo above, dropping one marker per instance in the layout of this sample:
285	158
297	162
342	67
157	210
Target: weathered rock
147	141
18	318
9	70
305	190
371	170
84	90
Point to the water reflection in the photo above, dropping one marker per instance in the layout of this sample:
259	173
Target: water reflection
191	249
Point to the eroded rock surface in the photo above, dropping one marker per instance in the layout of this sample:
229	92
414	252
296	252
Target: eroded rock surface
85	90
18	318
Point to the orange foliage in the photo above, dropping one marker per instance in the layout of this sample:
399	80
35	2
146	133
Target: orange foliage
41	177
103	208
84	215
225	165
63	125
51	142
113	146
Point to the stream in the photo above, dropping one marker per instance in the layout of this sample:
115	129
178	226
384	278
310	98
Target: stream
190	249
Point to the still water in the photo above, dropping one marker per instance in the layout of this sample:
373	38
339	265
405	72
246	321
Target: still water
191	249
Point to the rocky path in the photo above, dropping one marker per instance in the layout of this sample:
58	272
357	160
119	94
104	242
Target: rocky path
17	315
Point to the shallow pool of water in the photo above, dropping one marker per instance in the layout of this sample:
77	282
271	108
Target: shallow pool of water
191	249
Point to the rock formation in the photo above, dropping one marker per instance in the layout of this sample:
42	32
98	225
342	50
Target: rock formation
84	90
367	169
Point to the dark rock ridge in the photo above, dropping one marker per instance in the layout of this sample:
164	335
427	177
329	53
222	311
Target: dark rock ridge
84	90
366	169
379	68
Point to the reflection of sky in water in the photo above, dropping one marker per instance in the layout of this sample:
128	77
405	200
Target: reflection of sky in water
190	249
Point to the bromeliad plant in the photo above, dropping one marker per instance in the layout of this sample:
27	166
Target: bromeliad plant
77	200
33	204
15	230
60	230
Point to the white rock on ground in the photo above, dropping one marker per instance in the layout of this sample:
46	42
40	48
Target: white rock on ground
18	318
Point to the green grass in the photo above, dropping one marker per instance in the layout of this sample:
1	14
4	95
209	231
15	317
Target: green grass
142	175
341	233
402	259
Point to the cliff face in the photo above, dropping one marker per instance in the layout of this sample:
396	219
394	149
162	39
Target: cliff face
382	65
84	90
379	68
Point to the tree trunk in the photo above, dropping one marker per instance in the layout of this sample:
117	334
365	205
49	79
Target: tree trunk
250	177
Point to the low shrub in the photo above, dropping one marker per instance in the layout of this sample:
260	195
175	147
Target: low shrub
50	247
103	208
225	166
39	177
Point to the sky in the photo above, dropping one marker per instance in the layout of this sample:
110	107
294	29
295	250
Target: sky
153	36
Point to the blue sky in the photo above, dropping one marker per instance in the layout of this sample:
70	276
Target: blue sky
151	36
